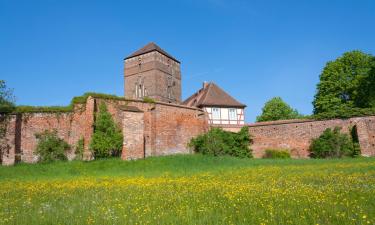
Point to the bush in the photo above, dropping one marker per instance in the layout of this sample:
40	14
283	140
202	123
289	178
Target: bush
218	142
50	147
107	138
333	144
277	154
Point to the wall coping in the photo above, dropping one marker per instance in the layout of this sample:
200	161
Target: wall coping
281	122
156	102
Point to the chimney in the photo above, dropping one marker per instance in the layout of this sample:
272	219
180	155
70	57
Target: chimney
205	84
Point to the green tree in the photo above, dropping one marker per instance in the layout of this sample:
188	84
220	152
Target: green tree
6	98
366	90
277	109
50	147
345	83
107	138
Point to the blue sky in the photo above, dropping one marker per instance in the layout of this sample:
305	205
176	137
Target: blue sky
51	50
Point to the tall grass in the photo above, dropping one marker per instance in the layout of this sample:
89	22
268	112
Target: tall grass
192	189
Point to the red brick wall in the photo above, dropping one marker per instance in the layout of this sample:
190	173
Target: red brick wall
167	127
133	131
22	128
296	135
162	129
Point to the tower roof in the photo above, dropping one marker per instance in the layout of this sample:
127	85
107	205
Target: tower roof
150	47
212	95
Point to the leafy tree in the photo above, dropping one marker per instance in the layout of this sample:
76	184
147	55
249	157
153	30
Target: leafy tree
333	144
50	147
345	83
218	142
6	98
366	90
107	139
277	109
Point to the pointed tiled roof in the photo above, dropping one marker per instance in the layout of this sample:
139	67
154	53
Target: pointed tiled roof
212	95
150	47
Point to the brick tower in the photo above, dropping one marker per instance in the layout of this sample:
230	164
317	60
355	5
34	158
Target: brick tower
152	72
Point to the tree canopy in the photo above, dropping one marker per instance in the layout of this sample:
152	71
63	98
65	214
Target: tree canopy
346	83
6	98
277	109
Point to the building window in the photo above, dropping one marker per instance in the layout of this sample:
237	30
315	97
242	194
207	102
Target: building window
232	114
215	113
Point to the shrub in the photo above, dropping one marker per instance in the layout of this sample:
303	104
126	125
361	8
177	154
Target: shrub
276	154
80	147
107	138
147	99
50	147
333	144
218	142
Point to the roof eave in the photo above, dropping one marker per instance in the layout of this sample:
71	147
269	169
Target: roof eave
132	56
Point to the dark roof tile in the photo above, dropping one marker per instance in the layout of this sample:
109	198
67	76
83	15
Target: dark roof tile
212	95
150	47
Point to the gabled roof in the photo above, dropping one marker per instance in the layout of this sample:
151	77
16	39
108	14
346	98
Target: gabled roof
150	47
212	95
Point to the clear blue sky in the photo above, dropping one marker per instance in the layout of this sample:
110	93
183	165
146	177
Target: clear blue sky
51	50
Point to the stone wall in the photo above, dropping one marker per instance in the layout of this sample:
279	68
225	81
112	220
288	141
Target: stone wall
296	135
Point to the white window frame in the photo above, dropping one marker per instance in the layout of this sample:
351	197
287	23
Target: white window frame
232	114
216	114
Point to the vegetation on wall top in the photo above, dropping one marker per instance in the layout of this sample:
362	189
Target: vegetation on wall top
60	109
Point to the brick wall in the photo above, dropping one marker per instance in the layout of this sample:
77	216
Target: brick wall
167	127
296	135
155	129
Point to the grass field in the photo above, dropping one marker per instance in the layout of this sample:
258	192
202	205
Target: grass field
191	189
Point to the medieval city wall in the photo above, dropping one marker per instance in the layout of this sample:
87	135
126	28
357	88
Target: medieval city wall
150	129
296	135
167	128
154	129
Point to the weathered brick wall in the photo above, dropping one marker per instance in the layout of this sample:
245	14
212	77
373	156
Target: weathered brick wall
155	129
167	127
133	131
22	128
296	135
7	142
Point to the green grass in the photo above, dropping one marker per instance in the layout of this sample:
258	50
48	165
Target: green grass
190	189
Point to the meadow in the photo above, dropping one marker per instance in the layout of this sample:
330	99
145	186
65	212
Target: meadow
190	189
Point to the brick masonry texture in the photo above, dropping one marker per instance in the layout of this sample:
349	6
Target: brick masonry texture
296	135
160	75
155	129
158	129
